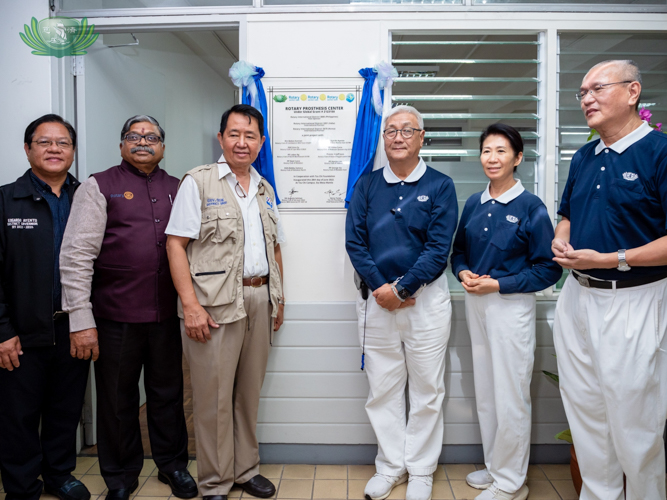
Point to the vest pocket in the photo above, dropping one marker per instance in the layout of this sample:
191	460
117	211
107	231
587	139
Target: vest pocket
217	224
273	225
212	284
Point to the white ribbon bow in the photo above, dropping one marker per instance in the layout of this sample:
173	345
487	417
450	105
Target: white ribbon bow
242	73
386	74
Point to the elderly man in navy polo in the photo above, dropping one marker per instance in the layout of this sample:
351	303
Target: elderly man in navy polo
399	230
117	288
610	321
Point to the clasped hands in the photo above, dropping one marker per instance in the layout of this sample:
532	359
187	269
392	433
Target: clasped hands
476	284
569	258
386	299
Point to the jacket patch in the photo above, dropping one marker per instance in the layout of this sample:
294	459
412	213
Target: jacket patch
630	176
215	202
269	203
422	198
512	219
18	223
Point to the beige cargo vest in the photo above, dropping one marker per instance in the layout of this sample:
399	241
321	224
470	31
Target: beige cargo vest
216	258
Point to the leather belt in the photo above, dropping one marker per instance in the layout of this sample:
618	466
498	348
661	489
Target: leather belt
256	281
609	285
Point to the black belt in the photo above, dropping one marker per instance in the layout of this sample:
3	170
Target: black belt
609	285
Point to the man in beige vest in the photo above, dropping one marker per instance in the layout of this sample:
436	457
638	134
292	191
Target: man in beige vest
224	255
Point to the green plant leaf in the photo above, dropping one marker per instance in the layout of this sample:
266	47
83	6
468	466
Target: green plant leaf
552	376
590	136
565	435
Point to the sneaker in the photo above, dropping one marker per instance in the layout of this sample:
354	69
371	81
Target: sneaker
419	487
380	485
480	479
494	493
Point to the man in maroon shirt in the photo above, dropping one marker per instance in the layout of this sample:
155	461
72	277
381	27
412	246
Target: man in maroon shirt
118	292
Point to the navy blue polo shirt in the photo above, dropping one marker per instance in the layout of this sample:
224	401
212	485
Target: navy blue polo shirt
616	197
400	227
508	238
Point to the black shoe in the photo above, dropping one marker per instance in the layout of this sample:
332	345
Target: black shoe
122	493
181	482
215	497
72	489
258	486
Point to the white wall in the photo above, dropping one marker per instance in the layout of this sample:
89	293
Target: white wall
25	83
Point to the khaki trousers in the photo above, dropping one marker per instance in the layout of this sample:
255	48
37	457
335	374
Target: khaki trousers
227	373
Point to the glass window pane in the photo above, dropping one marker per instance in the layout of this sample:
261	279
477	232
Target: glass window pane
67	5
461	84
606	2
357	2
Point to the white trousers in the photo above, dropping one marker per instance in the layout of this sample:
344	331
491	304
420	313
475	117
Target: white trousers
502	332
611	365
407	345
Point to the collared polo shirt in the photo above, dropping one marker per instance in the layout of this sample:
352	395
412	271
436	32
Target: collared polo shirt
616	197
508	238
400	227
186	217
60	207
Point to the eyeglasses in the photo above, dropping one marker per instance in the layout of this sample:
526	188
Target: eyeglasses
581	95
242	194
408	132
135	138
45	143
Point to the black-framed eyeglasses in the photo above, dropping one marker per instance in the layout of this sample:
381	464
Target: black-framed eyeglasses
45	143
133	138
239	190
407	132
581	95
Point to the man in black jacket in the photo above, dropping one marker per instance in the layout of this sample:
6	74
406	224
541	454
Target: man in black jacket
43	369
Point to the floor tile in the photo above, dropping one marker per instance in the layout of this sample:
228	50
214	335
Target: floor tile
192	468
360	471
46	496
565	489
330	488
235	492
292	471
271	470
331	472
249	496
557	471
94	483
442	491
398	493
462	491
148	468
534	472
440	474
95	469
295	488
83	464
154	488
542	490
459	471
355	488
151	498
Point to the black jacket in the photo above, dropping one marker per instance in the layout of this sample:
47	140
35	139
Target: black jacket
26	263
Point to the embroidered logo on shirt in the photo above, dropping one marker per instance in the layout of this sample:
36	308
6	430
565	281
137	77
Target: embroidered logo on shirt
512	219
128	195
269	203
215	202
630	176
18	223
422	198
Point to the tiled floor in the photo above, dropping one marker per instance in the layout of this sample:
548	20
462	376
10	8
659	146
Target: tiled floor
336	482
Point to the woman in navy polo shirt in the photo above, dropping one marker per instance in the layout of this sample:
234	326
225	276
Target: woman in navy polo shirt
502	256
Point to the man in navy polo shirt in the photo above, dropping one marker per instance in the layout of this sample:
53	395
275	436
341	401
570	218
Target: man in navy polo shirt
398	232
611	316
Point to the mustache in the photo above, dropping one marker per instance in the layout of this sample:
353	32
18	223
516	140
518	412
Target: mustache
142	148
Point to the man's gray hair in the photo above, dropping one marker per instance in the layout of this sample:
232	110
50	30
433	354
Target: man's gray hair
629	71
404	109
139	119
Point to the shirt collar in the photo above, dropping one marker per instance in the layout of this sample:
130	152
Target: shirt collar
224	170
40	184
506	197
622	144
414	176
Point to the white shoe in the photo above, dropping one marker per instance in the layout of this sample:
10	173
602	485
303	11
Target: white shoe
380	485
480	479
419	487
494	493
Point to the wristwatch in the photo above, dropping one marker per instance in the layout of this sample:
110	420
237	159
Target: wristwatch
403	294
622	264
281	301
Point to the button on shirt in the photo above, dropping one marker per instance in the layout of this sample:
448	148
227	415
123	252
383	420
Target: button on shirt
59	206
186	218
616	197
401	227
508	238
